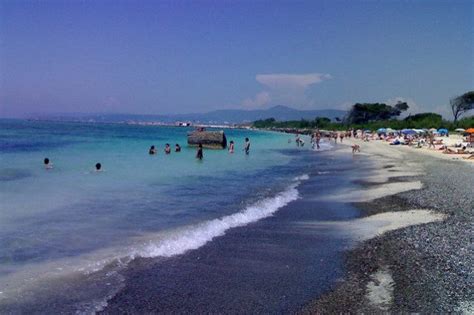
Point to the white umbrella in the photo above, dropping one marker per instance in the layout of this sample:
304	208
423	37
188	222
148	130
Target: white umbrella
459	130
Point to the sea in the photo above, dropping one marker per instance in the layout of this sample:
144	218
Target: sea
170	233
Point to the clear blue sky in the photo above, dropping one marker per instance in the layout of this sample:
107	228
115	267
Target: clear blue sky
160	57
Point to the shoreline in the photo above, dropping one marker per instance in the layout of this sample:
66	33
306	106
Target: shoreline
419	261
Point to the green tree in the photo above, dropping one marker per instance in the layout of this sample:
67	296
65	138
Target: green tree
366	112
462	104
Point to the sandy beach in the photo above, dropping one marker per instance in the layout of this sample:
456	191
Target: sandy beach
414	244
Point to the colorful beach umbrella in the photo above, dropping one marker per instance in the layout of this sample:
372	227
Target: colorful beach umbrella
470	130
381	130
443	131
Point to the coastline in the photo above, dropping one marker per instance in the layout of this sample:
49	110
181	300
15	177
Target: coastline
420	261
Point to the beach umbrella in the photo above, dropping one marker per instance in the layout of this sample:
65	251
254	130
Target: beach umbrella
443	131
470	130
433	130
419	130
408	131
459	130
381	130
389	130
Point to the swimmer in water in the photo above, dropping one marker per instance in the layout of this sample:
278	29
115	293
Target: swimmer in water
231	146
199	154
47	164
152	150
98	167
177	148
167	148
247	146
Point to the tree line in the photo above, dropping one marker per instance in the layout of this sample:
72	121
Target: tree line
379	115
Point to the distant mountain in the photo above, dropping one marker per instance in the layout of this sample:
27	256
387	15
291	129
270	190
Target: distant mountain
224	116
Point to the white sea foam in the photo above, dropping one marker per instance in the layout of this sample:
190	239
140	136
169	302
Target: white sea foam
324	146
196	236
301	177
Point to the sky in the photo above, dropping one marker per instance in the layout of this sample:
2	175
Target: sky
164	57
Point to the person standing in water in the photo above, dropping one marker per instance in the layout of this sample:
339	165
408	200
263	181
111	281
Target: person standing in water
98	167
247	146
317	139
47	164
167	148
152	150
231	146
199	154
177	148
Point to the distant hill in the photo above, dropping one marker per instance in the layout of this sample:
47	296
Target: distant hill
227	116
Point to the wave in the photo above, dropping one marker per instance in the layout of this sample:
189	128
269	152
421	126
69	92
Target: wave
196	236
107	263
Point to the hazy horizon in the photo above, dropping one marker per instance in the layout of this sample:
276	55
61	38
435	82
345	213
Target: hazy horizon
164	58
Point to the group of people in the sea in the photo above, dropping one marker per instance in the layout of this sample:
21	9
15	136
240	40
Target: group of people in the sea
177	148
153	151
199	151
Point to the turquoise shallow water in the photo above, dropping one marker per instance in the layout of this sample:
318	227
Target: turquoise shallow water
72	220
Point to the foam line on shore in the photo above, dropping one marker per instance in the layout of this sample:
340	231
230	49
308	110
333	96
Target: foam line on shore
369	194
196	236
369	227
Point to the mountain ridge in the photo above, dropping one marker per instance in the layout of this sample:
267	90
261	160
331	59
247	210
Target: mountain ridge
226	116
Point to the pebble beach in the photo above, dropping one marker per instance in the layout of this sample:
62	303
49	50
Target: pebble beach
419	267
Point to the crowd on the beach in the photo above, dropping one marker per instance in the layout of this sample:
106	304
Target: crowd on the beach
439	140
432	139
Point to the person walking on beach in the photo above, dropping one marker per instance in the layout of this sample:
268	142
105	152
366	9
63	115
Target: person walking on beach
47	164
199	154
431	141
231	146
341	136
247	146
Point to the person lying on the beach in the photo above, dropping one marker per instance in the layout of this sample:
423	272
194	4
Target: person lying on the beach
355	148
470	157
451	151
